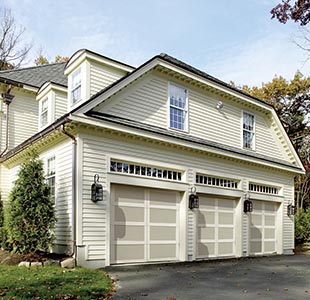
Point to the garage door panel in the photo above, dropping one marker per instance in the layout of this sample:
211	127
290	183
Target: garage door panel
161	215
256	233
146	228
206	203
225	249
226	218
206	249
129	233
162	198
206	233
263	227
162	233
129	252
129	214
270	221
269	246
270	233
206	217
129	194
224	204
162	251
225	233
215	228
256	220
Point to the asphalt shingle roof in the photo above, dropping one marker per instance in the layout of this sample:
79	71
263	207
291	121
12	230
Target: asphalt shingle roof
36	76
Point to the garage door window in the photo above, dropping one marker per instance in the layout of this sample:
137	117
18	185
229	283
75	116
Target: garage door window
216	181
143	170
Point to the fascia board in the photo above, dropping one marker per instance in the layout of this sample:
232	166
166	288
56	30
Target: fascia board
287	140
171	140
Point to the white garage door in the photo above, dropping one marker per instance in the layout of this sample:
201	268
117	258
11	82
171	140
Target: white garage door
215	227
263	227
144	224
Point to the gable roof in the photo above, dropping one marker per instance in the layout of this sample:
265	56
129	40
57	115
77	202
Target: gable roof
37	75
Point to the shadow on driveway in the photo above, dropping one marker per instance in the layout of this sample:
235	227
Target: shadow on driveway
276	277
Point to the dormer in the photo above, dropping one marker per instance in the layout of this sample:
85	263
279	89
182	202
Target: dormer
88	73
52	99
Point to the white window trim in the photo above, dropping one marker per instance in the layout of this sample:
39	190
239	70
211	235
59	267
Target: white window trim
79	86
50	97
186	126
45	160
254	130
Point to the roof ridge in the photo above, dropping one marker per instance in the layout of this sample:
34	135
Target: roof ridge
32	67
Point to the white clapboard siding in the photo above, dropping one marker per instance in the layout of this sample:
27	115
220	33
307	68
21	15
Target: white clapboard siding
205	121
8	177
63	154
60	104
23	119
96	149
101	76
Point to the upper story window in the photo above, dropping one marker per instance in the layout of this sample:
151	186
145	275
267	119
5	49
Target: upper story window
44	112
248	131
51	176
76	86
178	107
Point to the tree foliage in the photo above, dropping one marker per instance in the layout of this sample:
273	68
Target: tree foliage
299	11
291	100
31	217
13	51
42	60
302	226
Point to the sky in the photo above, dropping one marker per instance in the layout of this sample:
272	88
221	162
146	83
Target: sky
231	40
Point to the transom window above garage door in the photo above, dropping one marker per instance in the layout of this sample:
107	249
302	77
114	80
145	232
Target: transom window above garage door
217	181
144	170
264	189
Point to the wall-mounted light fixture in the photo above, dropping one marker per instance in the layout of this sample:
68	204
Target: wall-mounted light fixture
219	105
291	210
193	201
247	204
96	190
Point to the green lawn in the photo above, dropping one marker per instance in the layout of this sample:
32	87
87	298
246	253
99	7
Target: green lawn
37	283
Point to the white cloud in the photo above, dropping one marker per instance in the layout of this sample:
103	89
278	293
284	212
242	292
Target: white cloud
259	61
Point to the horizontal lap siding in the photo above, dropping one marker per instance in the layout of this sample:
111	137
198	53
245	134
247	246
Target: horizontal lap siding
147	101
94	216
96	149
288	222
63	155
23	119
102	76
60	104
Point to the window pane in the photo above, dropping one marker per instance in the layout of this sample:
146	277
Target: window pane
248	130
76	86
178	106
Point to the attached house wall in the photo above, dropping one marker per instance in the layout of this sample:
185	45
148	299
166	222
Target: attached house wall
102	76
96	152
205	121
23	110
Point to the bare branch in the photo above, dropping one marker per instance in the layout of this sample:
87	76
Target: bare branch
13	51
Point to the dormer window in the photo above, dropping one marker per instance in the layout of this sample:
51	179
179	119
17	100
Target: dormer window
76	87
178	104
248	131
44	112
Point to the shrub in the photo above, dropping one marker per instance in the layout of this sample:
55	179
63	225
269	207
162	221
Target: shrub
2	232
302	226
30	216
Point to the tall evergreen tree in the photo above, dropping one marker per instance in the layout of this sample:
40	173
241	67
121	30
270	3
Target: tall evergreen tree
31	216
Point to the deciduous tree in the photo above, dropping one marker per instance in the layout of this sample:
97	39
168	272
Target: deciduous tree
13	50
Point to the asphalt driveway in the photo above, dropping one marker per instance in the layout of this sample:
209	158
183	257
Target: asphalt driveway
276	277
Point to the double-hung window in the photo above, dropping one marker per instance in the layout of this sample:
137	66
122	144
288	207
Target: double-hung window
44	112
51	177
248	130
178	107
76	86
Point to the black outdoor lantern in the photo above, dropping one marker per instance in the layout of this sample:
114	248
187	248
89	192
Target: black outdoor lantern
247	204
291	210
96	190
193	201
